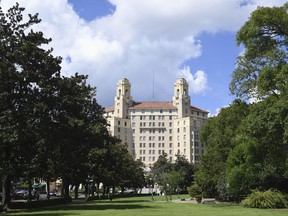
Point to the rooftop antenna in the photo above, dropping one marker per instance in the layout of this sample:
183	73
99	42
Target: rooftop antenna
153	87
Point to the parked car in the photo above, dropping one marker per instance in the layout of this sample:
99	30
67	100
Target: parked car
18	195
128	191
34	195
53	193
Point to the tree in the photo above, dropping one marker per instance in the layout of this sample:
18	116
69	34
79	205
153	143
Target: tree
162	165
260	159
48	123
23	68
186	170
262	70
217	135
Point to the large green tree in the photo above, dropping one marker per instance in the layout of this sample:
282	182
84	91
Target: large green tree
24	68
262	69
260	157
48	123
217	135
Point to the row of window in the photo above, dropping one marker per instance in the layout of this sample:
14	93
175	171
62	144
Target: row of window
152	145
152	158
151	118
154	111
152	138
152	152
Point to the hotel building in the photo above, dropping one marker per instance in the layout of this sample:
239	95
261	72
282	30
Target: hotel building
151	129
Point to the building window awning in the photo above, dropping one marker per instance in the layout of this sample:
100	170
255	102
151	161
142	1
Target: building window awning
37	186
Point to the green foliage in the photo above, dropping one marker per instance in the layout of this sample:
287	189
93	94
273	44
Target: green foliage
258	160
262	70
173	176
51	126
246	145
217	135
266	199
194	190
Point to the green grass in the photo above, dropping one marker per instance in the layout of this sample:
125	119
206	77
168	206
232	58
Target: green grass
144	206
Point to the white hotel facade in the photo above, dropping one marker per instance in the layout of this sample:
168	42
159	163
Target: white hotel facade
151	129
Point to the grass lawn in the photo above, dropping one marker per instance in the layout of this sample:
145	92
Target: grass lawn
140	206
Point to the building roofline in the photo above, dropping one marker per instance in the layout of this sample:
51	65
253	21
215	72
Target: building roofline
154	105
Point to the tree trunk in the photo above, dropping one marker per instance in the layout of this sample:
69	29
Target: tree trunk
66	189
48	189
29	190
6	189
76	190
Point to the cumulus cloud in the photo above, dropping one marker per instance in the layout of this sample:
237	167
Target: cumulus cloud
217	111
198	82
138	39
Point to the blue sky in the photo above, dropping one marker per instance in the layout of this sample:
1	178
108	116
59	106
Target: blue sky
139	40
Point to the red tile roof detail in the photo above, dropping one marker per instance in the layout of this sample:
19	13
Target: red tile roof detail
109	109
153	105
202	110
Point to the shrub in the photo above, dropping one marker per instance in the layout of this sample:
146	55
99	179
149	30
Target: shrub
266	199
198	198
194	190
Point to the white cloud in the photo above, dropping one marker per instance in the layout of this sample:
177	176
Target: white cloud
140	38
198	82
217	111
